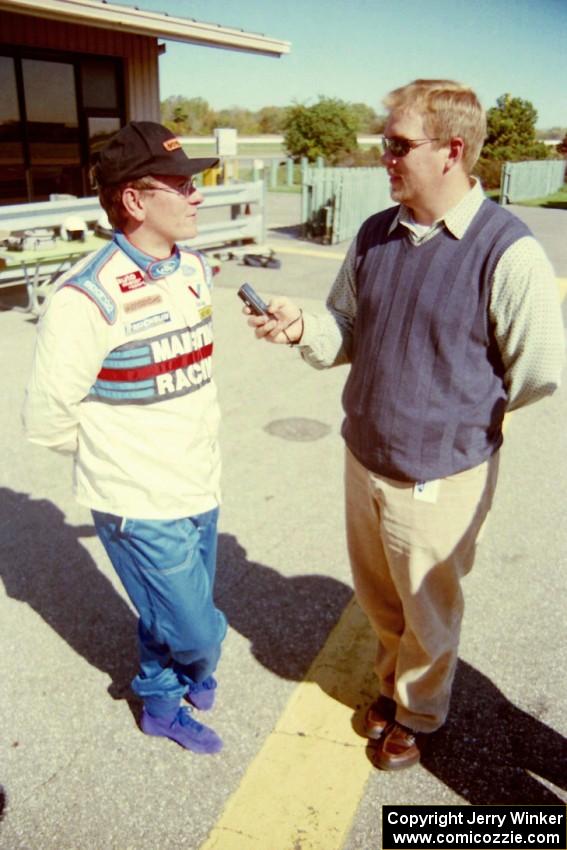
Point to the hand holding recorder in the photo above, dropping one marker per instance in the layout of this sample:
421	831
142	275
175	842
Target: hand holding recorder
279	321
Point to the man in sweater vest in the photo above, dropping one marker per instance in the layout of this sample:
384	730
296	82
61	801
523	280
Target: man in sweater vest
447	309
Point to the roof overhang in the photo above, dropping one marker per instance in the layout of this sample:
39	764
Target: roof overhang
99	13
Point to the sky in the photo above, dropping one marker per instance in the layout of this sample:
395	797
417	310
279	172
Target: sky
359	50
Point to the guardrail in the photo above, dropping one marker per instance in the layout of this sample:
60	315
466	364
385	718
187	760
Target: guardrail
16	218
247	205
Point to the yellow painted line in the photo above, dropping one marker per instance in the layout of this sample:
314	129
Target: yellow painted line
311	252
304	786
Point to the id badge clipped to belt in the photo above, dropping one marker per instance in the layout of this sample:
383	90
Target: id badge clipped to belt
426	491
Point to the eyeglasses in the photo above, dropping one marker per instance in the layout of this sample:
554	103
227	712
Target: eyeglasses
184	191
399	147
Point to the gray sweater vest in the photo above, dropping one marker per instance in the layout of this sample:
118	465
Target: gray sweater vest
425	396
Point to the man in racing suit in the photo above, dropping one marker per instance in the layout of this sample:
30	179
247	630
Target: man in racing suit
122	379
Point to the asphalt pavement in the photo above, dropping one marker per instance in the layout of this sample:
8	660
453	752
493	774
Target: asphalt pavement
76	773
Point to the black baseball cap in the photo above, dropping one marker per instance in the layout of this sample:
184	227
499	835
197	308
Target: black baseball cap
144	147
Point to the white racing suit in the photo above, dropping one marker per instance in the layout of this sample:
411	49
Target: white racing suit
122	379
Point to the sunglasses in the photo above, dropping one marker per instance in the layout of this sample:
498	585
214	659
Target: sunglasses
399	147
185	190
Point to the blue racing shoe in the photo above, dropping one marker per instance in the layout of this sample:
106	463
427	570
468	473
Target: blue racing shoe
184	730
202	695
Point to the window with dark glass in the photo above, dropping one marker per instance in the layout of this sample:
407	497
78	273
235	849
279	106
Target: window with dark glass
99	84
12	171
100	131
52	128
101	88
56	110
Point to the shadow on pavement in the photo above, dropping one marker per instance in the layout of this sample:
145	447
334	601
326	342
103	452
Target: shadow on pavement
488	752
492	753
44	565
286	619
294	231
555	205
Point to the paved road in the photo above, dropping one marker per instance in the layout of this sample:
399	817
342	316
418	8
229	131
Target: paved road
76	773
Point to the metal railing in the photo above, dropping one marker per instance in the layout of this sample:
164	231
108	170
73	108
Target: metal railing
16	218
246	204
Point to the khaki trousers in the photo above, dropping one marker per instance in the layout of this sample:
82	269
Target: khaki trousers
408	557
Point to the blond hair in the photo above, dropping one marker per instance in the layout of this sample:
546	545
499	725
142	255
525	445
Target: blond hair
449	109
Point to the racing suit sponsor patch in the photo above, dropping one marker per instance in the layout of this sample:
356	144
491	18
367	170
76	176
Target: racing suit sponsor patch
132	280
163	268
148	322
167	366
96	293
140	303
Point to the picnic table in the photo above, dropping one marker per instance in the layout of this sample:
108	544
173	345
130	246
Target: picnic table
38	269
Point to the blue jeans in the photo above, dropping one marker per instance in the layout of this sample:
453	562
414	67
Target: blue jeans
167	568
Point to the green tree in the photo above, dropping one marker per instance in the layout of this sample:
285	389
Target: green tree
179	117
365	117
511	133
378	124
187	116
242	120
271	119
327	128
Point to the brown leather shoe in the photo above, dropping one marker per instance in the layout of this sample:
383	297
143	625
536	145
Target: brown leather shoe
378	717
399	748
